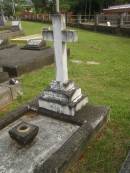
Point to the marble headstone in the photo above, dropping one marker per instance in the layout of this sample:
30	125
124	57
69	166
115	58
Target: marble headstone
35	44
16	26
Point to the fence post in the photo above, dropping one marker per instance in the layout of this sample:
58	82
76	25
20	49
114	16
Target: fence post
49	17
79	19
66	18
121	20
96	19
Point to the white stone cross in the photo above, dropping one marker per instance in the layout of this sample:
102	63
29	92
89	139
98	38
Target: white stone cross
60	36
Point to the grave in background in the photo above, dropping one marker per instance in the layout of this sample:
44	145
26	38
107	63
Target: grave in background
2	22
4	43
15	30
65	120
16	61
9	91
16	26
25	39
35	44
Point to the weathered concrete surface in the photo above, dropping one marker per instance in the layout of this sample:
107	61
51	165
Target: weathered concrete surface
86	122
52	135
3	76
16	61
126	165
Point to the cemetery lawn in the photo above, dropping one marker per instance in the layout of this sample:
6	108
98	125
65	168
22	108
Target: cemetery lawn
106	82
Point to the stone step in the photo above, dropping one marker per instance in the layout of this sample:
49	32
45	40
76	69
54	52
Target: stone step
62	96
64	108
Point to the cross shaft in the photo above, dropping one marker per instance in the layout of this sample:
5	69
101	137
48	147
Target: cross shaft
60	36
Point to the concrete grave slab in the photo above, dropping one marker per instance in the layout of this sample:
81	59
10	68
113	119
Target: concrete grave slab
16	61
25	39
59	141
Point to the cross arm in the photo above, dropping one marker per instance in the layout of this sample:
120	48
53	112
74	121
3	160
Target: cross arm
67	35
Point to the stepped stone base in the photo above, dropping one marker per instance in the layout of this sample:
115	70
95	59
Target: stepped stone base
63	98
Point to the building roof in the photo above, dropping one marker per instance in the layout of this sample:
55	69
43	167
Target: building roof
118	8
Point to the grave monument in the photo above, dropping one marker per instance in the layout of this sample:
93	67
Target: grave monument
35	44
10	89
13	31
62	96
2	17
16	26
48	134
1	21
4	43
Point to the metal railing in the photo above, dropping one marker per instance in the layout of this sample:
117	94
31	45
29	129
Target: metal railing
101	19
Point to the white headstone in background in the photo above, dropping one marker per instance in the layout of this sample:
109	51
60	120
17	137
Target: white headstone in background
1	41
35	42
17	25
108	23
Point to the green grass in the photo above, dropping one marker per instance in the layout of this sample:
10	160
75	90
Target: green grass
32	27
105	84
